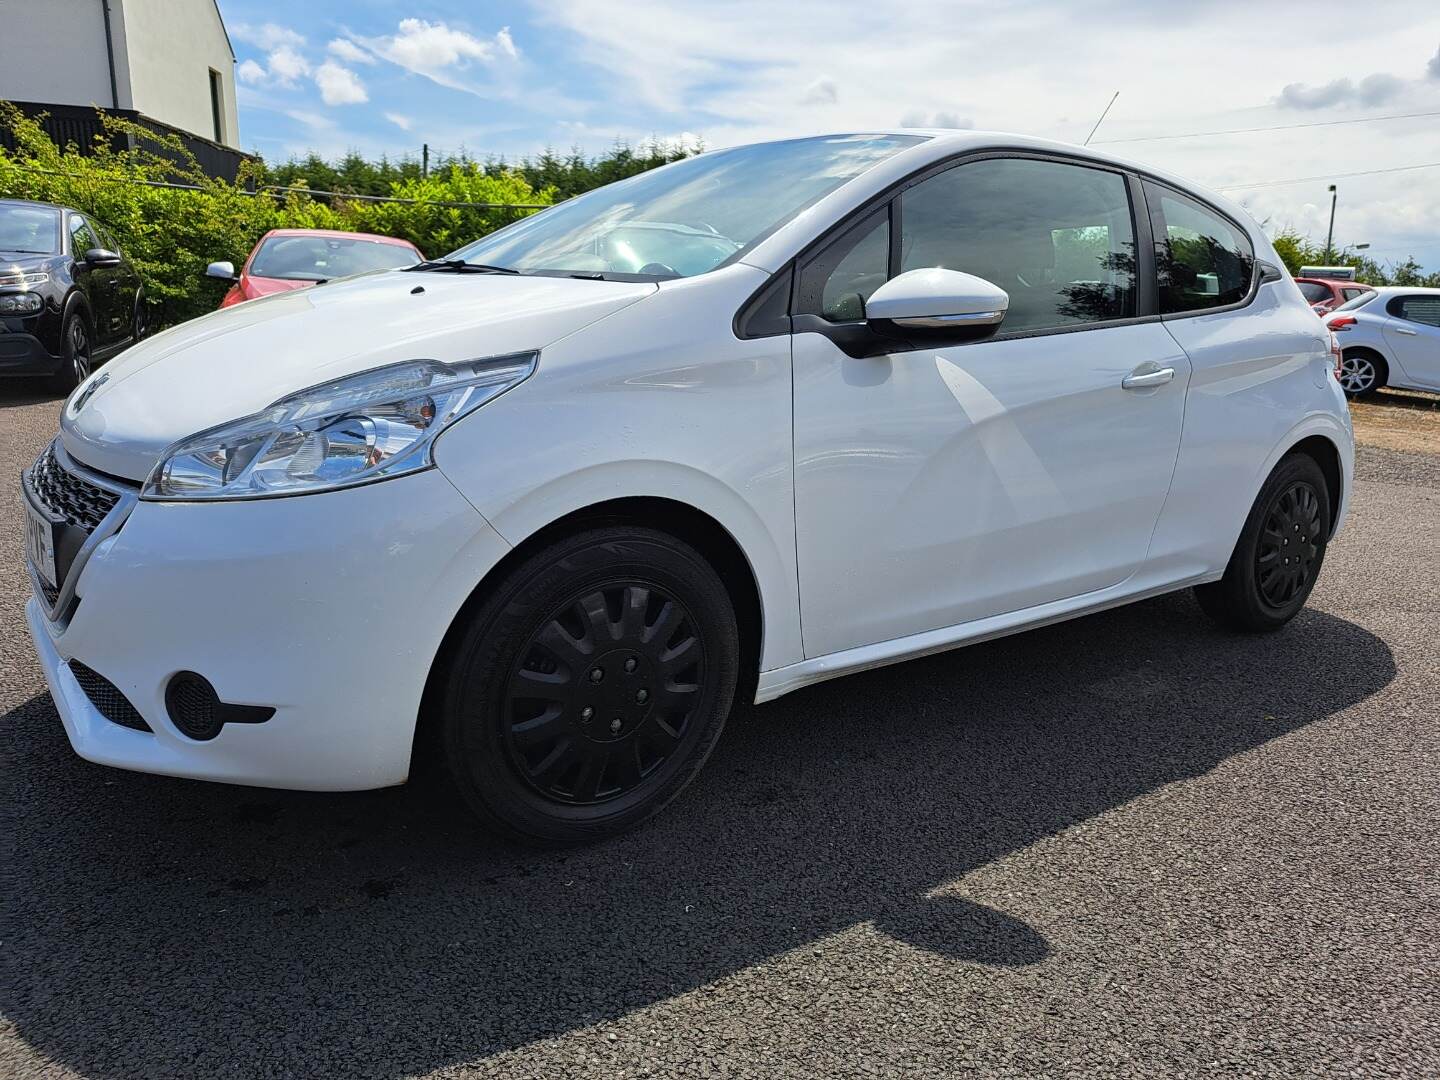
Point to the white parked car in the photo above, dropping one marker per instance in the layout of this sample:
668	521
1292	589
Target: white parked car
1389	337
757	419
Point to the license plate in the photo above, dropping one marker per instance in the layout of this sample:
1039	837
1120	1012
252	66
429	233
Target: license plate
40	546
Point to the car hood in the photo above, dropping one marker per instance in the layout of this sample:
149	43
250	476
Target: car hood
10	261
256	287
237	361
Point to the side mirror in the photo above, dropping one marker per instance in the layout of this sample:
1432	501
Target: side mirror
102	258
937	299
225	271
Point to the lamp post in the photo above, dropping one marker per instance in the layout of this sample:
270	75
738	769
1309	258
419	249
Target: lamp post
1330	236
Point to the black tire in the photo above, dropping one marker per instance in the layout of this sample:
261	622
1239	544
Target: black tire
140	321
1266	583
650	615
77	347
1362	372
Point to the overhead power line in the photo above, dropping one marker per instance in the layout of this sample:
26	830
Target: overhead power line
1329	176
1277	127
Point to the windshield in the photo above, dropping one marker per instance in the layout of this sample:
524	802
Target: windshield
1313	291
320	258
1356	302
686	218
29	230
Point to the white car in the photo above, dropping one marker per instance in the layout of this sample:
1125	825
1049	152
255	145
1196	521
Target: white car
1389	337
757	419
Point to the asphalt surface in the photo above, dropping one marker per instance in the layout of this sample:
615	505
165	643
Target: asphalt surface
1130	845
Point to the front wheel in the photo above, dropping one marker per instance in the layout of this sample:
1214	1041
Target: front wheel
591	686
76	349
1279	553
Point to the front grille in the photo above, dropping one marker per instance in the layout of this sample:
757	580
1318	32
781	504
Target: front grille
70	498
109	702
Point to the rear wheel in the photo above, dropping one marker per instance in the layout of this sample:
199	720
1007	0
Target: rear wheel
1279	553
591	686
1362	372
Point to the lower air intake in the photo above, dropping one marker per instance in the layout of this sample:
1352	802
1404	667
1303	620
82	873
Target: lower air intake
109	702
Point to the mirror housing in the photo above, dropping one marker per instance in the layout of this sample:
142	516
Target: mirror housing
933	298
102	258
224	270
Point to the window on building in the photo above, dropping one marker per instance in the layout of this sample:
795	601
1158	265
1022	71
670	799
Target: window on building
217	105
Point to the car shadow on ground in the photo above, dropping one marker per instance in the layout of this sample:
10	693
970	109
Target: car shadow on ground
160	927
17	392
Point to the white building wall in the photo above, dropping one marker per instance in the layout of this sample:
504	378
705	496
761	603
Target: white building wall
171	46
54	51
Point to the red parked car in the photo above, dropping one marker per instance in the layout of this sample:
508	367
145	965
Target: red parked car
1326	294
286	259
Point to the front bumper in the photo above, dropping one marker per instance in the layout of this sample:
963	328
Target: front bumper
26	355
329	608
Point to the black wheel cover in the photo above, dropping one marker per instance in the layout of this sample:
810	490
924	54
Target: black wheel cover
1290	545
603	692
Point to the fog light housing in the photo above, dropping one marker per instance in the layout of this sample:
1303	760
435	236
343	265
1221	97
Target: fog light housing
197	711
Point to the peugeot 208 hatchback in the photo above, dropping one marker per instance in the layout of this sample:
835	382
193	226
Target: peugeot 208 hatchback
759	418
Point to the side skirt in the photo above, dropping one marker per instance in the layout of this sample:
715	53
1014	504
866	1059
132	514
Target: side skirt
780	681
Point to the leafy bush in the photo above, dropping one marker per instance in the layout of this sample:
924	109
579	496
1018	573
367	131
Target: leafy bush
1297	251
171	234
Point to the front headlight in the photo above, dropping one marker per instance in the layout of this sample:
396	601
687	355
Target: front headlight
25	303
365	427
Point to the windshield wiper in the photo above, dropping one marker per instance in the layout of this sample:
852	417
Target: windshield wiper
460	266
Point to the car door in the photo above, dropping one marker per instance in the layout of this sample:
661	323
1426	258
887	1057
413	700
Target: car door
96	282
940	485
1412	330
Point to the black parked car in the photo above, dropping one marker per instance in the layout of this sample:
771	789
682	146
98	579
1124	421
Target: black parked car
68	299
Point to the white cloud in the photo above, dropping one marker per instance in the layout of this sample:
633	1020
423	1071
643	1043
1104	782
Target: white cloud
427	47
348	51
286	65
402	122
339	85
917	118
822	91
267	36
444	55
1377	89
251	72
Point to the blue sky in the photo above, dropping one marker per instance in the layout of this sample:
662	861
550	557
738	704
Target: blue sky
513	78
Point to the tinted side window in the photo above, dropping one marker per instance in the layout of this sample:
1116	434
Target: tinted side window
1201	259
81	238
836	283
1421	309
1350	294
1058	238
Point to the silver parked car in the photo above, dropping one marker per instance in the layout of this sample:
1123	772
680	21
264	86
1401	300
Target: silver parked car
1389	337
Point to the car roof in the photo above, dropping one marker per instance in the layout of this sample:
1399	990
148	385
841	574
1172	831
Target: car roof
1339	283
1408	290
341	235
37	202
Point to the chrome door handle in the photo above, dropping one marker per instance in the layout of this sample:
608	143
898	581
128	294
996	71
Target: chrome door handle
1407	333
1141	380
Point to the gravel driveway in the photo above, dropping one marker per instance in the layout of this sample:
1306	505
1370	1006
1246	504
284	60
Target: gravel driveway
1129	845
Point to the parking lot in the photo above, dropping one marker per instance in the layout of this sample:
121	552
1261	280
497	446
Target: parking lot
1128	845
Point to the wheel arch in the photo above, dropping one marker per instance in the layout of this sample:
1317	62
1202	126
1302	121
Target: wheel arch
1325	453
685	522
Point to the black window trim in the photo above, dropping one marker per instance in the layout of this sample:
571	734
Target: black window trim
1261	272
1142	216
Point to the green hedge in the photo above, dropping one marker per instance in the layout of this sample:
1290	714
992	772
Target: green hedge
171	235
